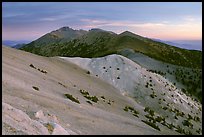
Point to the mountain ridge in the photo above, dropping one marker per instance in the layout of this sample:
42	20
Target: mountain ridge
98	43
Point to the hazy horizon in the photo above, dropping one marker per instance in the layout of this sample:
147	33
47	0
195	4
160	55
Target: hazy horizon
160	20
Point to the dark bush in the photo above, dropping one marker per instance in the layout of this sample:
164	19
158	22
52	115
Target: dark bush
88	72
151	112
36	88
84	92
196	119
151	124
89	102
164	108
126	108
146	109
94	99
159	119
32	66
72	98
187	123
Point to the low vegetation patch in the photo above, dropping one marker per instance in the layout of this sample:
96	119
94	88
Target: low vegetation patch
151	124
86	95
72	98
187	123
43	71
102	97
132	110
49	127
62	84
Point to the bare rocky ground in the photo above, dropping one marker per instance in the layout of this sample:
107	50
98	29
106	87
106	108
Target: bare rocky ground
34	101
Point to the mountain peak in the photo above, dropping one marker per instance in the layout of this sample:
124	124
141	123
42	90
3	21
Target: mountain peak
127	33
66	28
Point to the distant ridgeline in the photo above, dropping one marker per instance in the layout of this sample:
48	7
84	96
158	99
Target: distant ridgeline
97	43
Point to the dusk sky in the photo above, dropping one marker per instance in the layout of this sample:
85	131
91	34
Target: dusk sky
166	21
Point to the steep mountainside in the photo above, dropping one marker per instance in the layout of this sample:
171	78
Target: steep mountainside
98	43
187	79
108	95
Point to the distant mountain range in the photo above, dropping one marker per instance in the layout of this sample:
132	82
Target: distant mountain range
186	44
15	44
97	43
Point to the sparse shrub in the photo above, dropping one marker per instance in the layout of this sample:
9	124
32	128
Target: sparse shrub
88	72
36	88
151	124
189	117
126	108
134	112
131	108
94	99
159	119
102	97
151	112
84	92
118	77
86	95
170	126
187	123
118	69
89	102
153	95
146	109
43	71
72	98
62	84
179	129
165	108
32	66
49	127
196	119
149	117
198	131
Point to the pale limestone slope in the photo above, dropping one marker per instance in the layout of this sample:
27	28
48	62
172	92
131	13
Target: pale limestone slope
48	105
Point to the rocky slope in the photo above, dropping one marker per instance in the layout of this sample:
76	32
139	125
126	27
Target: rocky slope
107	95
